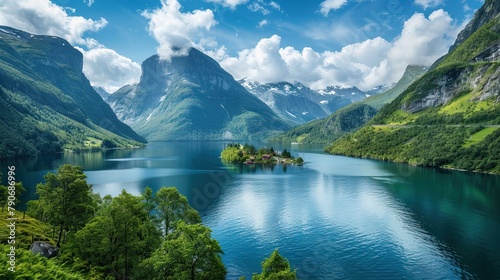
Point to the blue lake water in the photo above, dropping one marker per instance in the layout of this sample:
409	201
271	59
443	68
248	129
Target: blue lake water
333	218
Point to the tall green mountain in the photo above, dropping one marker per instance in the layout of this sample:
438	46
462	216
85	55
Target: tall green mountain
192	98
449	117
47	103
351	117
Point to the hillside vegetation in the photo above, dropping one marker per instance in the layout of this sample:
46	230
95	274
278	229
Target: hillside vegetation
449	117
351	117
47	103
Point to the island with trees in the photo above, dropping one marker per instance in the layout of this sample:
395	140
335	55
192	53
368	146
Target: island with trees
248	154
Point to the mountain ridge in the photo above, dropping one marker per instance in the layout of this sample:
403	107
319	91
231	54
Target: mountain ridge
49	99
450	116
192	98
350	117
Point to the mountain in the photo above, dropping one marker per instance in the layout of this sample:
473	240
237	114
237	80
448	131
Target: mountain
102	92
450	117
47	103
411	74
352	93
331	128
300	104
289	101
352	116
192	98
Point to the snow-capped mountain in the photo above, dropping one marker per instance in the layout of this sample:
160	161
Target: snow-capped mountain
300	104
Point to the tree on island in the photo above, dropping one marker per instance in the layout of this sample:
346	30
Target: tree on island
286	154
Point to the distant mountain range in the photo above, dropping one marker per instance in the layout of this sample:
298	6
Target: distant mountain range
47	103
450	117
351	117
300	104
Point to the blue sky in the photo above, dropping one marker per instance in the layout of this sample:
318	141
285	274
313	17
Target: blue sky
319	43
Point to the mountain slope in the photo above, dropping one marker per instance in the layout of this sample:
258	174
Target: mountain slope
192	98
352	116
450	116
411	74
287	100
102	92
47	103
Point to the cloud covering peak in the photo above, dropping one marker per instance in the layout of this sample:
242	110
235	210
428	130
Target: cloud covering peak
175	31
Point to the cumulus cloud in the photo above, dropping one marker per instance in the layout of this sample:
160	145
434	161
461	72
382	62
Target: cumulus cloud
328	5
106	68
44	17
365	65
176	31
428	3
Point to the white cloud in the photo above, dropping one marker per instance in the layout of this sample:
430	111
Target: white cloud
228	3
428	3
275	5
89	2
103	67
263	23
328	5
366	64
262	63
44	17
256	7
176	31
108	69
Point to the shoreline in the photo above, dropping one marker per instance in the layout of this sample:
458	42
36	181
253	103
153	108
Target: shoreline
425	166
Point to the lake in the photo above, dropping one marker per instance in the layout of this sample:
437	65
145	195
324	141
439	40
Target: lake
333	218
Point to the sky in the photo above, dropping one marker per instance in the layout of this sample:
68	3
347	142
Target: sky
363	43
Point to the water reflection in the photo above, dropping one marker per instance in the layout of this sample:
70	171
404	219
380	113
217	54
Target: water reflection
333	218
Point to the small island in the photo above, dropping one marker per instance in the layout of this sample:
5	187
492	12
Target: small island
248	154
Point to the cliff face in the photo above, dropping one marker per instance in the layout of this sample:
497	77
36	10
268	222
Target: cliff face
47	102
192	98
485	14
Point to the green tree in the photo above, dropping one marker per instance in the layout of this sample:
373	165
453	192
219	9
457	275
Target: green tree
66	200
188	253
120	237
172	206
4	193
276	268
286	154
299	160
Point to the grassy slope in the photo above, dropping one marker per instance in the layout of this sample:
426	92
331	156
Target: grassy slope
28	265
440	140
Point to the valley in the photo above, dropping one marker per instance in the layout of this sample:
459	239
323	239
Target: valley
250	139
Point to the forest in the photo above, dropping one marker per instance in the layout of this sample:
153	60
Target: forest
151	236
474	148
